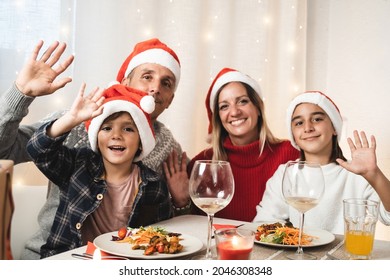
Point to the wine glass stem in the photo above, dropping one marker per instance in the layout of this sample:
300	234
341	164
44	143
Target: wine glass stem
301	221
210	218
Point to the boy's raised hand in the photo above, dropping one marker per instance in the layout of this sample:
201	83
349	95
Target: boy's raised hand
83	108
87	107
177	178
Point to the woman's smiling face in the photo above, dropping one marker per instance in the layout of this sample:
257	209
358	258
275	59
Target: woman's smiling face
239	116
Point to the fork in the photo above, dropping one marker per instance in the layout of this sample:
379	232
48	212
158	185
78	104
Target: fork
86	256
233	227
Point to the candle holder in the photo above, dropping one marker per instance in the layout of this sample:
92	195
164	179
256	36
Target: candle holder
234	243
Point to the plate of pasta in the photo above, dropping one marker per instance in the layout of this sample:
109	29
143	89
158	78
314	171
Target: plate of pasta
148	243
286	235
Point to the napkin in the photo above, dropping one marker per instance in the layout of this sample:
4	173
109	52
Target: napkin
91	249
218	226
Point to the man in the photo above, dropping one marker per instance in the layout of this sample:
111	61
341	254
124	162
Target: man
152	67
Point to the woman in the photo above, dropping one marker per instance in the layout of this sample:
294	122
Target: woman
239	134
314	123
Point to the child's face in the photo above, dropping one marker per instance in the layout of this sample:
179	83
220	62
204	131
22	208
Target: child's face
118	140
239	116
313	130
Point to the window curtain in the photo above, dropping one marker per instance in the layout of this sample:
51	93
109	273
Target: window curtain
265	39
22	24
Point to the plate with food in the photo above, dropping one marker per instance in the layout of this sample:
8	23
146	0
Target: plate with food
286	235
148	243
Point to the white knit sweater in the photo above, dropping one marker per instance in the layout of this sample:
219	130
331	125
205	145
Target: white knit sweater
328	214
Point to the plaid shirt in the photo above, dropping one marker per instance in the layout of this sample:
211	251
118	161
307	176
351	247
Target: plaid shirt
78	173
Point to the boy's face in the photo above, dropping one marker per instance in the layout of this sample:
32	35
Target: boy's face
155	79
119	140
312	130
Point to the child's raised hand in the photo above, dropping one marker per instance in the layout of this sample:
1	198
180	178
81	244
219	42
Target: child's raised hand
87	107
363	155
177	178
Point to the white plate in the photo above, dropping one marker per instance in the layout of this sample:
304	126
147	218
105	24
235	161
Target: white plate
104	242
322	237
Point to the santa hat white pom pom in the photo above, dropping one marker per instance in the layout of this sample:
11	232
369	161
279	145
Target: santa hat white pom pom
147	104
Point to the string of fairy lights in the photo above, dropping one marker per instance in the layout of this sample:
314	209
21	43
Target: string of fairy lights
258	34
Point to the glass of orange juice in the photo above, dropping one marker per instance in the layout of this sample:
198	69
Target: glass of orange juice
360	218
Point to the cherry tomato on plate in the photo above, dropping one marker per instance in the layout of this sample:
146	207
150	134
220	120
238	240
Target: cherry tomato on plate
122	232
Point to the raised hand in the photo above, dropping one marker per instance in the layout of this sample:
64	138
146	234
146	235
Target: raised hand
83	108
177	178
364	163
38	76
362	153
87	107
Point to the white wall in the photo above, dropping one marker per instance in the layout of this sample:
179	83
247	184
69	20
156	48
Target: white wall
349	59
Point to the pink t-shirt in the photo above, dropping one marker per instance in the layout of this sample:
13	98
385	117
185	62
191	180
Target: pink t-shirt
114	210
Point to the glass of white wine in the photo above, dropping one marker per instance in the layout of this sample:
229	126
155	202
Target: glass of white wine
303	186
211	189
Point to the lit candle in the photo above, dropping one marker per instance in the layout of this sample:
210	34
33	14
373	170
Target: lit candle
236	248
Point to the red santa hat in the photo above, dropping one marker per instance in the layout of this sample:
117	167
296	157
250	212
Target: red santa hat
225	76
151	51
119	98
321	100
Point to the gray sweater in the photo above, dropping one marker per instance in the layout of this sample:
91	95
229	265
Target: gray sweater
13	140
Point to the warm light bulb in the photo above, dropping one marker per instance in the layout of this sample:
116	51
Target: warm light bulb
147	32
291	47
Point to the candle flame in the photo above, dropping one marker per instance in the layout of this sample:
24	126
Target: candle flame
235	241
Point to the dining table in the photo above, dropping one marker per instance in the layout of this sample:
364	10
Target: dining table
196	226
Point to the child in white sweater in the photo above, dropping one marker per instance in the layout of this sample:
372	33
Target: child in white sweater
315	124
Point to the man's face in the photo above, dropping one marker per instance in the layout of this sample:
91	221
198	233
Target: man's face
158	81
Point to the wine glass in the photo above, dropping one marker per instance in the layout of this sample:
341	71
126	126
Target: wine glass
302	187
211	189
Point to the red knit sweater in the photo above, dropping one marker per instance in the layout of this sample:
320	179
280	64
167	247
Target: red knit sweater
251	173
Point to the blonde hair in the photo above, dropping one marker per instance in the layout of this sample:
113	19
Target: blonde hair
219	133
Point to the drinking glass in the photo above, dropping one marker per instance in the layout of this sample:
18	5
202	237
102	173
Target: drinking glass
360	218
302	187
211	188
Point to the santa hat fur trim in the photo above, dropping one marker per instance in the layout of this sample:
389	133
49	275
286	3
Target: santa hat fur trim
321	100
151	51
138	104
